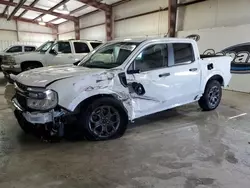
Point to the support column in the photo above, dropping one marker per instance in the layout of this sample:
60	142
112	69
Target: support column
77	29
108	23
17	32
172	11
55	32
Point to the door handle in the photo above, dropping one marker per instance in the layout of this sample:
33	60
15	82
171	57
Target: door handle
164	75
193	69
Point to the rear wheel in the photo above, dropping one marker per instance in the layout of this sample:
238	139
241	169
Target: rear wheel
104	119
212	96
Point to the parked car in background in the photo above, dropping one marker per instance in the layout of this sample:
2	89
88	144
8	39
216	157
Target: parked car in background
119	82
49	54
15	49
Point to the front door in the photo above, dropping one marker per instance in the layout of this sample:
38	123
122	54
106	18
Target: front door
61	53
149	89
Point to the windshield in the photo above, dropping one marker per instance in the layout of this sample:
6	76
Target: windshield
110	55
44	47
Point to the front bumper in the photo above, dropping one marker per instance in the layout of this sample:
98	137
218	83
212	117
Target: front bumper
15	69
36	117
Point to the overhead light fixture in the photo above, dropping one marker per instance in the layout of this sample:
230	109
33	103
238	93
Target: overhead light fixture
41	22
65	9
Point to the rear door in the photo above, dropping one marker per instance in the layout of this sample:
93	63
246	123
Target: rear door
81	49
185	73
29	48
94	45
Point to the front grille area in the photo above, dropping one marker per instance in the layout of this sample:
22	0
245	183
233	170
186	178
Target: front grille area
22	100
8	60
21	94
21	86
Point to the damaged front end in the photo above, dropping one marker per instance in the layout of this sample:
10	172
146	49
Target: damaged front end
37	110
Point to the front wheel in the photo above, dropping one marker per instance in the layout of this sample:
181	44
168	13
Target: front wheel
23	123
212	96
104	119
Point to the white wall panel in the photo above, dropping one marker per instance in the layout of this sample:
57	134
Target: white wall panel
65	27
34	37
67	36
8	35
149	25
92	19
94	33
23	26
4	24
216	13
219	39
135	7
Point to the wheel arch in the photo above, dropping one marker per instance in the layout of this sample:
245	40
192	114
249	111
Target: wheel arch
217	77
89	100
24	63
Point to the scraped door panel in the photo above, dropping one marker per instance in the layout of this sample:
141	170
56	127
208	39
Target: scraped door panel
149	88
150	92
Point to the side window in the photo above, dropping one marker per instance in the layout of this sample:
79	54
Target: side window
183	52
95	44
15	49
63	47
81	47
152	57
29	48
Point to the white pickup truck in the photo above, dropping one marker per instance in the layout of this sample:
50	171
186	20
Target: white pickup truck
15	49
118	82
49	54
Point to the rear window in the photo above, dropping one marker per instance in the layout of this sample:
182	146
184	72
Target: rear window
95	44
81	47
29	48
183	53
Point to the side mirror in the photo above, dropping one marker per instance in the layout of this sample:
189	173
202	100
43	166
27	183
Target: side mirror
54	52
133	71
76	63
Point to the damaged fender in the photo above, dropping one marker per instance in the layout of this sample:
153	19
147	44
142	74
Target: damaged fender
82	88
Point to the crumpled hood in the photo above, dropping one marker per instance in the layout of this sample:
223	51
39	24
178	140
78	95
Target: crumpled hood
41	77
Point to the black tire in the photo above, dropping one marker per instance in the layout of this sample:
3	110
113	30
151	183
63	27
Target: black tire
212	96
23	123
85	125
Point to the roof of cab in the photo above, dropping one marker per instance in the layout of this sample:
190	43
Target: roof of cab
139	40
81	40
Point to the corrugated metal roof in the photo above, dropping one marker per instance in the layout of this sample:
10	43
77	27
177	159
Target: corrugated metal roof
76	8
